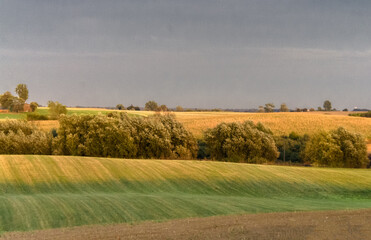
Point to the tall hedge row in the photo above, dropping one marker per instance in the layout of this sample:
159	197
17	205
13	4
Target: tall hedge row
19	137
118	135
162	137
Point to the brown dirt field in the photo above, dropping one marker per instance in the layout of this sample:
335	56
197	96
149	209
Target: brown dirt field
346	224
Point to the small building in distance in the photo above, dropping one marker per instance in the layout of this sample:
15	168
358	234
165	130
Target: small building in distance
27	108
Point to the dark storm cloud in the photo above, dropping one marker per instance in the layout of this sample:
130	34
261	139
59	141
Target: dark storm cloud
192	53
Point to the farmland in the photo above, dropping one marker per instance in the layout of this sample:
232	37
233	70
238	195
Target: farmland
42	192
279	123
346	224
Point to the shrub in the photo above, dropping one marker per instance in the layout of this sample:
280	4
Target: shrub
56	109
36	116
337	148
19	137
241	142
34	106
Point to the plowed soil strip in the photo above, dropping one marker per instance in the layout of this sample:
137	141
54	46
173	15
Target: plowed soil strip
292	225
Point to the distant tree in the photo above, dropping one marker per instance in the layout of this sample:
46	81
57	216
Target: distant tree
120	107
22	91
269	107
179	109
136	108
319	109
284	108
17	105
163	108
327	105
56	109
312	109
261	109
34	106
151	106
345	110
6	100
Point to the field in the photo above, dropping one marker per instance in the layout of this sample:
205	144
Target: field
279	123
349	224
43	192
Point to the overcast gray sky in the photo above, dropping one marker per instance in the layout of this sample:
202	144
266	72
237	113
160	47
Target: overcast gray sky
193	53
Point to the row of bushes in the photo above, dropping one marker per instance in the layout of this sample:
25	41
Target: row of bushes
161	136
19	137
247	142
118	135
366	114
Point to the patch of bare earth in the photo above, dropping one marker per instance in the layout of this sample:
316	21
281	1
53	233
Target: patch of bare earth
353	224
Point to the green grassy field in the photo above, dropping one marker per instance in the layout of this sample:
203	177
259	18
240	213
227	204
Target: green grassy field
45	111
40	192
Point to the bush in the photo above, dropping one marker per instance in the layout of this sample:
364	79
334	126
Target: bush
338	148
19	137
119	135
367	114
88	135
290	147
36	116
241	142
56	109
34	106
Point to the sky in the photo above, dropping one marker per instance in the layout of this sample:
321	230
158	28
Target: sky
192	53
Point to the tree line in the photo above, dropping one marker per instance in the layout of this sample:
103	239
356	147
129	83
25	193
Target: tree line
161	136
17	103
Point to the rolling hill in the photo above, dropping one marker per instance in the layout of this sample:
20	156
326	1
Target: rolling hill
42	192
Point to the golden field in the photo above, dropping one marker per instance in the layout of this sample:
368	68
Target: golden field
279	123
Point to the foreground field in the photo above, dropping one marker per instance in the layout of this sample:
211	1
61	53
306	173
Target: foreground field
41	192
296	225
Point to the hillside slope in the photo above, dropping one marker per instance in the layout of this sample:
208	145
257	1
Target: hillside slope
40	192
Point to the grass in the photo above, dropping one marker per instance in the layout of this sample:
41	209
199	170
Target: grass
41	192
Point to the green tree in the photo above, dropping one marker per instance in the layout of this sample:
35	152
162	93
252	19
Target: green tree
327	105
241	142
163	108
120	107
284	108
17	105
261	109
269	107
6	100
179	109
56	109
34	106
22	91
337	148
151	106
